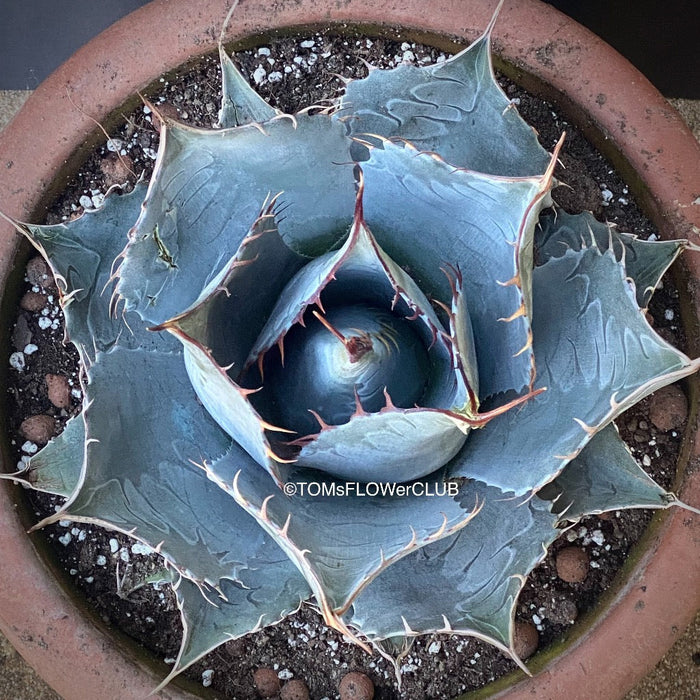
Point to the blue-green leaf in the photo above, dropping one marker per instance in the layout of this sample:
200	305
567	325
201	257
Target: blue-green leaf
645	261
474	577
342	535
462	339
605	476
240	104
481	225
270	589
206	192
81	254
231	310
219	329
394	445
57	467
455	108
151	488
595	354
228	404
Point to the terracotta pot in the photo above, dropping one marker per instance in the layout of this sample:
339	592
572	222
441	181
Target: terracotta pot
546	53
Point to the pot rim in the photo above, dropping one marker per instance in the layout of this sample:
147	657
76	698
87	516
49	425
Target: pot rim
546	52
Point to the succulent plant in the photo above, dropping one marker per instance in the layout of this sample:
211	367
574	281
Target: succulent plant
367	365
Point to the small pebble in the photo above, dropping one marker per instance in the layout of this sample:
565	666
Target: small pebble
207	676
18	361
115	145
266	682
39	429
525	639
33	301
140	548
30	447
294	690
59	391
356	686
259	75
434	647
572	564
669	408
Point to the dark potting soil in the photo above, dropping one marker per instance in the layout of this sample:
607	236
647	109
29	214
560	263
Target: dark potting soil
293	73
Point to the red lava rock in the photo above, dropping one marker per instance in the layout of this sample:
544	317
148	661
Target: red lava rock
669	408
58	389
356	686
525	639
294	690
572	564
266	682
39	429
168	110
38	273
116	168
32	301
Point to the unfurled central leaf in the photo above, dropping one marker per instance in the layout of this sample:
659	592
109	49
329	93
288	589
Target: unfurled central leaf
352	360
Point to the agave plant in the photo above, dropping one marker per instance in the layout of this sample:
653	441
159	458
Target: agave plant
366	365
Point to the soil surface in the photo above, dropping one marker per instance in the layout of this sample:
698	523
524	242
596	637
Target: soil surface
294	73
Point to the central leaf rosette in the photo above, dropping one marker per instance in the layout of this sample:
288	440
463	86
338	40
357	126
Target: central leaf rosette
352	373
353	359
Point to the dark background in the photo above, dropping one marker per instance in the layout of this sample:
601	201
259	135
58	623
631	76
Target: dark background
661	37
